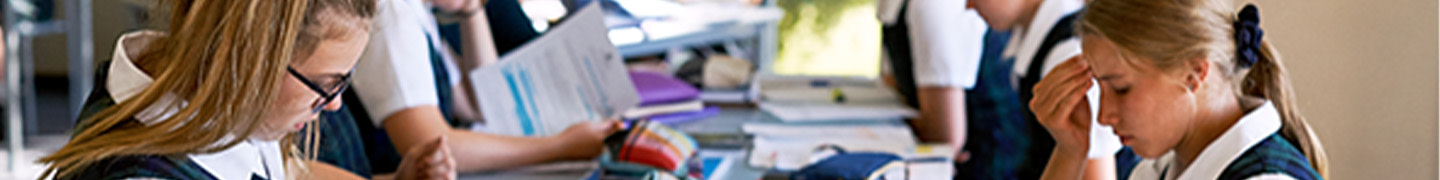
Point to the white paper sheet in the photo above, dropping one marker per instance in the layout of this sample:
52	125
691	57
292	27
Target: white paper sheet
859	131
790	147
812	99
568	75
823	111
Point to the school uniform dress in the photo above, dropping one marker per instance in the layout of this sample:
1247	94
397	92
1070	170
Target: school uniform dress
122	80
1251	149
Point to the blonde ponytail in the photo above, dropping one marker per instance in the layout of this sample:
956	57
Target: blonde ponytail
1267	78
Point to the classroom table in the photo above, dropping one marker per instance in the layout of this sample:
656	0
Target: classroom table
721	132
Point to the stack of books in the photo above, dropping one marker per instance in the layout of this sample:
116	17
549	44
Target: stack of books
667	100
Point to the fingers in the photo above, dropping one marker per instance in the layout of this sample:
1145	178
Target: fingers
1072	67
1074	103
1062	82
435	155
449	160
429	161
1080	115
439	163
614	126
1061	93
1068	94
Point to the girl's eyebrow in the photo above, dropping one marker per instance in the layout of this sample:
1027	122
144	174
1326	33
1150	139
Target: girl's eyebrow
1108	77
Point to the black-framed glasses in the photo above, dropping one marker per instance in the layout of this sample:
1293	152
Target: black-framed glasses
328	94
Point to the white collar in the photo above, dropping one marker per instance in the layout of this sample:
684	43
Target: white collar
1254	127
1023	45
125	81
250	157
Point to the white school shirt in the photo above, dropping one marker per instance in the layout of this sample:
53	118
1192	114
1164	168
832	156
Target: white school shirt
394	72
1250	130
1023	46
239	162
946	40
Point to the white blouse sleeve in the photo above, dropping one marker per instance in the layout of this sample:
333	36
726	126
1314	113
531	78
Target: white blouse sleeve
946	42
394	72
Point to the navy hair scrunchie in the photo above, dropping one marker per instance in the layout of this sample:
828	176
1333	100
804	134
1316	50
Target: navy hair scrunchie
1248	35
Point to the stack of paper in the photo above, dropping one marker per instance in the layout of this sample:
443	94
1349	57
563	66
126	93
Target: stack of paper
809	99
822	111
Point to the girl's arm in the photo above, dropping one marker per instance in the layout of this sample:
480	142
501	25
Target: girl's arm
1065	165
477	50
942	117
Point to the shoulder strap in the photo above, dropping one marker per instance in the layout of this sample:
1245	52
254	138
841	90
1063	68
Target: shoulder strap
896	40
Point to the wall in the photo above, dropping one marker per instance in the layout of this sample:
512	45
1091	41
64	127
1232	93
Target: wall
1365	73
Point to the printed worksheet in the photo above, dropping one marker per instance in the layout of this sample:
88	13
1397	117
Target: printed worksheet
568	75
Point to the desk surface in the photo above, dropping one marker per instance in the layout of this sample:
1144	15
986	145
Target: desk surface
552	171
726	123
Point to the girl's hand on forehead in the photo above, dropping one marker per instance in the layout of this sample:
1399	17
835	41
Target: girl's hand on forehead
1060	105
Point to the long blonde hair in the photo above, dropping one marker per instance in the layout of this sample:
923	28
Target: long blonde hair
1167	32
225	59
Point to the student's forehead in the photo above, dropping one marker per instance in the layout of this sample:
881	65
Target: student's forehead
333	56
1102	56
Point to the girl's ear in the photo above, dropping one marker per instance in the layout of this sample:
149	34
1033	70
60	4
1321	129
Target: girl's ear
1197	69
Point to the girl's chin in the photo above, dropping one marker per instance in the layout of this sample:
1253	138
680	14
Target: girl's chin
1148	153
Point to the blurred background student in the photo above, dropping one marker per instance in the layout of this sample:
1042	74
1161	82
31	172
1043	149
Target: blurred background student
933	55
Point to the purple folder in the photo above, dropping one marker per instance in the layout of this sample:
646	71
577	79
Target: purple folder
657	88
681	117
